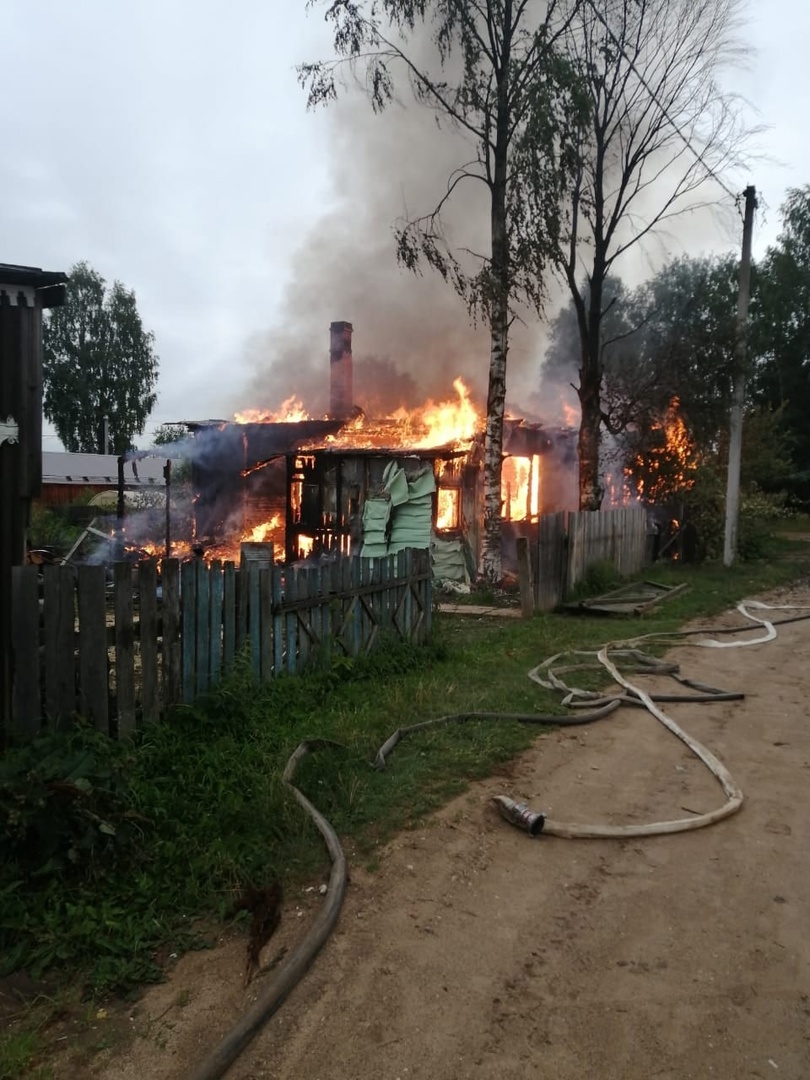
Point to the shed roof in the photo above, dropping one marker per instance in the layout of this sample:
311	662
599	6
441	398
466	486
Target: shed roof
50	284
100	469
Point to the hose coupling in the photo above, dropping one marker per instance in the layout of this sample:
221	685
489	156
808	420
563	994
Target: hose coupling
520	814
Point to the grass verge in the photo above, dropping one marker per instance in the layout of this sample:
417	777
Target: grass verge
116	855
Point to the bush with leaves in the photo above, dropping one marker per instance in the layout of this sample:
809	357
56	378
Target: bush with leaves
705	509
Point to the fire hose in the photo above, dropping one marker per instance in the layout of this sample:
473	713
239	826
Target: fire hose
536	822
547	675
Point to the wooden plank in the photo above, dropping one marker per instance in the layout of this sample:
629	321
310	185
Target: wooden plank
26	699
148	637
60	667
170	620
315	589
378	597
215	624
428	588
304	620
291	620
524	577
254	621
552	561
423	594
324	624
576	530
409	605
124	649
277	591
229	616
188	635
266	622
368	604
384	605
336	608
243	605
202	626
94	680
359	642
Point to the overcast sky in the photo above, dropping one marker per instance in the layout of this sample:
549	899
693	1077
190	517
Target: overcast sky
168	144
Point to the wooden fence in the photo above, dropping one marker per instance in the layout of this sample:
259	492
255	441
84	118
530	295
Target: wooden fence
566	545
119	652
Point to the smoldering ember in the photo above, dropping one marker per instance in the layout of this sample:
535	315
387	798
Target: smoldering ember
285	486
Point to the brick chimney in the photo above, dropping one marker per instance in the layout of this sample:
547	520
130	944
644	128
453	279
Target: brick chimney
340	370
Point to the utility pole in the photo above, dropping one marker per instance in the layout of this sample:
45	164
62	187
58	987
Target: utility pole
738	388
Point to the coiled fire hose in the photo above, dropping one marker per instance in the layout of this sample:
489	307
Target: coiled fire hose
292	970
536	822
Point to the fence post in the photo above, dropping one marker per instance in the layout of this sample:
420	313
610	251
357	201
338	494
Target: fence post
60	672
524	577
124	648
188	643
229	615
147	634
172	660
26	706
215	624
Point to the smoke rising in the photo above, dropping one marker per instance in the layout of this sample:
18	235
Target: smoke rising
412	334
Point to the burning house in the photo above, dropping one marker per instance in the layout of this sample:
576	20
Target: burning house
313	486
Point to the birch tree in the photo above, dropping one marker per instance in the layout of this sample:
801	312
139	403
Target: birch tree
500	80
659	131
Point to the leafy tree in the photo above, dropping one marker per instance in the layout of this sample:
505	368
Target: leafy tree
672	337
682	346
98	364
781	325
498	79
667	357
659	128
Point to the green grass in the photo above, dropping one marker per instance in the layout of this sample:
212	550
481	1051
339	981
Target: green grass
115	854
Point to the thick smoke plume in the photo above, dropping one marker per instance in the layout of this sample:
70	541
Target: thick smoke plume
412	334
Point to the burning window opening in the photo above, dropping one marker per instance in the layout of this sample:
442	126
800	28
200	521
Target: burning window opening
520	488
447	509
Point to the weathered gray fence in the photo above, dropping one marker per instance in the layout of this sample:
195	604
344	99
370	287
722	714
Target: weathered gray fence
566	545
157	635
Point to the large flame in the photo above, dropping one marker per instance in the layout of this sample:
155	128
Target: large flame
291	411
520	488
668	464
452	424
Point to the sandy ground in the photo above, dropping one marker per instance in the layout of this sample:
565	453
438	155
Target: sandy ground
477	951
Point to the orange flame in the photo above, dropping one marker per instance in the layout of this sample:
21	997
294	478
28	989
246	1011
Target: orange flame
520	488
291	411
450	422
668	465
447	516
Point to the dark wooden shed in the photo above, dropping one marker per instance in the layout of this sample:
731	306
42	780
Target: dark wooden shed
25	292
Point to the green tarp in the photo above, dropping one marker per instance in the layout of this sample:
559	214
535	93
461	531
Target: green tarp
402	516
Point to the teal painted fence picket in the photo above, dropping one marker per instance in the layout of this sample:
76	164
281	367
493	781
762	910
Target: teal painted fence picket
158	634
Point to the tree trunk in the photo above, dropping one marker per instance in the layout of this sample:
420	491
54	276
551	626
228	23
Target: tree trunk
590	489
493	443
498	322
590	392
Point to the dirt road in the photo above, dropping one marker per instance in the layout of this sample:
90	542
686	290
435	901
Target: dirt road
477	951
